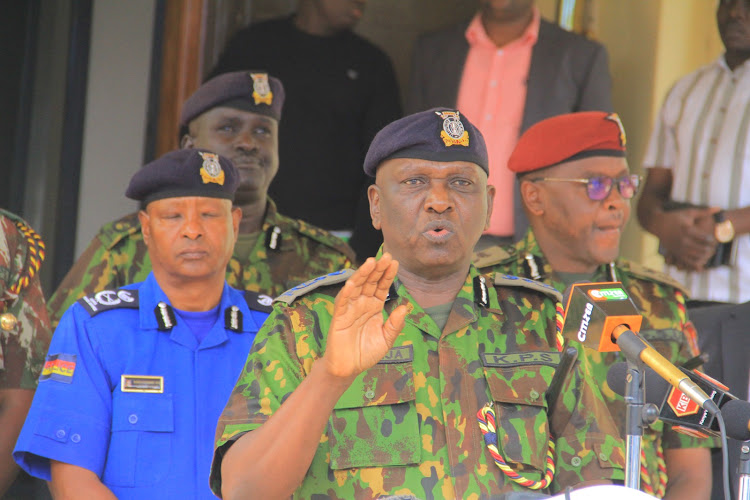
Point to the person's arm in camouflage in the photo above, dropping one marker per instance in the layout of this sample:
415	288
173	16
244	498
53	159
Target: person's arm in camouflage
271	461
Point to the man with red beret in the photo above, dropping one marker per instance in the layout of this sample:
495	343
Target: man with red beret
576	189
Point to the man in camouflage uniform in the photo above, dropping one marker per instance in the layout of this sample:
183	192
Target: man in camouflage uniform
24	330
366	384
236	115
576	189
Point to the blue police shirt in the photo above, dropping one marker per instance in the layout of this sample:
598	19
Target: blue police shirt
137	405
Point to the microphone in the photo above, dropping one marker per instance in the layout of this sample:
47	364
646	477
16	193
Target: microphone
603	317
678	410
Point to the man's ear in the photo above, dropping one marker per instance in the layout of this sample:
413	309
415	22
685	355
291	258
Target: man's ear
143	218
236	218
186	141
490	204
532	195
373	195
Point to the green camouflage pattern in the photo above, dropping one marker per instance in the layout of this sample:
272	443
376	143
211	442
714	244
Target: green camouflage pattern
24	345
118	256
408	425
654	294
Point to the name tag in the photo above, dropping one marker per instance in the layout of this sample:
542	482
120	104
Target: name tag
521	358
142	383
400	354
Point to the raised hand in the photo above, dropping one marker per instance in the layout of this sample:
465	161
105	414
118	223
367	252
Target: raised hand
358	337
687	237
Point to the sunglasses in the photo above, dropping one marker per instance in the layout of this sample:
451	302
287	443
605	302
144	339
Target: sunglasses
599	187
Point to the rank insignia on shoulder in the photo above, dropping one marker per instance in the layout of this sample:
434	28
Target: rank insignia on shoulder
259	301
306	287
453	133
142	383
109	299
517	281
261	89
59	367
211	169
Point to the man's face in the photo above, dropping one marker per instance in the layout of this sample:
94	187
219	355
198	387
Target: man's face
190	238
248	139
431	213
582	232
341	14
505	10
733	18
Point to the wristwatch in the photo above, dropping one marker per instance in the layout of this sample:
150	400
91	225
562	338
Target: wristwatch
724	229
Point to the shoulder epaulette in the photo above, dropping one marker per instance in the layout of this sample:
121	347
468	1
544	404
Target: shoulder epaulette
517	281
326	238
109	299
259	301
493	256
649	274
308	286
112	233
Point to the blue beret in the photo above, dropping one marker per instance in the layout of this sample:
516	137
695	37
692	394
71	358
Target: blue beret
439	134
256	92
185	172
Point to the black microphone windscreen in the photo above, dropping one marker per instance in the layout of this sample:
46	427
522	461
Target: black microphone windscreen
655	386
736	415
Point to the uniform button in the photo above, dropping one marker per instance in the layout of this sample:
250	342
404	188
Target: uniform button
575	461
603	457
133	418
534	395
370	394
60	434
76	438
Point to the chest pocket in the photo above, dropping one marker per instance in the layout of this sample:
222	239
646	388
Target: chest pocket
518	393
140	446
375	423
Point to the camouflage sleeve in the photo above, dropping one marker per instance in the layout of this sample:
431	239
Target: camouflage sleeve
93	271
25	326
272	372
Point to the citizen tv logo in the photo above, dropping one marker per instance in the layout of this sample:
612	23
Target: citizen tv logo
608	294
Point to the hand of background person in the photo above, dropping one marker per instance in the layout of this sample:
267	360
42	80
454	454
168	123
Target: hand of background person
687	237
358	337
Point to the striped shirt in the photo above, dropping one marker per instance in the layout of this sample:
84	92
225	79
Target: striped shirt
703	135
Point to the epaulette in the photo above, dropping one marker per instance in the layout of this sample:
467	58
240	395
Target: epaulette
326	238
112	233
492	256
259	301
109	299
329	279
649	274
510	280
35	252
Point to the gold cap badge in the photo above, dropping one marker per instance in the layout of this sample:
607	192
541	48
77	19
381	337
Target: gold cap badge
261	88
616	118
453	133
211	170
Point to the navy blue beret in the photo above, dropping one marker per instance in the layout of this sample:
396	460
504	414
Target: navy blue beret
256	92
439	134
185	172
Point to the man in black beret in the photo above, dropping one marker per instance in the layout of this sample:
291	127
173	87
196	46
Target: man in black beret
136	377
369	383
236	115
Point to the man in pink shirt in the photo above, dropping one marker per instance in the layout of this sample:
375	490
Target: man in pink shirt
507	69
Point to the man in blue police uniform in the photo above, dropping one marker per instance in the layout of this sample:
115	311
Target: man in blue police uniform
136	378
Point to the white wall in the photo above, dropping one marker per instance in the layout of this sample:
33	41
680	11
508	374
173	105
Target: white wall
116	104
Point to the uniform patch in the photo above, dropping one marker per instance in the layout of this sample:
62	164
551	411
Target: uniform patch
109	299
453	133
142	383
261	89
521	359
233	319
259	301
510	280
400	354
211	169
308	286
59	367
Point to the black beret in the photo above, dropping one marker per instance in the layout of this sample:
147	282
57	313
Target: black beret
185	172
256	92
438	134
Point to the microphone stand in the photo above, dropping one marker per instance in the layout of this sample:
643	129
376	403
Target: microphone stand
744	471
638	414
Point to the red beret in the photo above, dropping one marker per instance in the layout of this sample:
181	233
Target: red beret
566	138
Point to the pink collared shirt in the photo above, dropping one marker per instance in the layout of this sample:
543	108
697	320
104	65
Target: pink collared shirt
492	95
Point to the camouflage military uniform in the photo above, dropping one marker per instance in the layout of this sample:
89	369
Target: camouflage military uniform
24	325
665	326
408	425
286	253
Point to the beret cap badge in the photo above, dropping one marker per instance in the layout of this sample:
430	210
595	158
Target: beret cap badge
261	89
211	170
453	133
616	118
